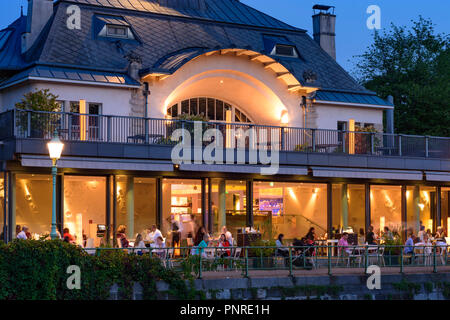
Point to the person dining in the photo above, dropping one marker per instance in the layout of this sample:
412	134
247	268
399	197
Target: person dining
139	244
201	246
281	249
224	243
370	237
228	235
199	236
343	245
67	237
311	235
121	230
23	234
154	234
159	248
361	237
387	234
409	245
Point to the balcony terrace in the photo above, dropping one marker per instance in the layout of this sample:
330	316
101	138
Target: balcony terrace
27	132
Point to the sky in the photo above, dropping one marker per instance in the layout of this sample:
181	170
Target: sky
352	34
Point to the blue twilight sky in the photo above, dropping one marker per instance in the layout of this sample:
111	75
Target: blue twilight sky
353	36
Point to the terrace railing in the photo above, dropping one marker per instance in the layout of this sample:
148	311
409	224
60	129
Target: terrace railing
330	258
137	130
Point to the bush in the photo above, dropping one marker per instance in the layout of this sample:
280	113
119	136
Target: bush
31	270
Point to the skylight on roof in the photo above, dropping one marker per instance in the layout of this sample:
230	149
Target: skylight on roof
285	51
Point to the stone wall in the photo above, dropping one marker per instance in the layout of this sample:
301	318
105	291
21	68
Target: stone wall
351	287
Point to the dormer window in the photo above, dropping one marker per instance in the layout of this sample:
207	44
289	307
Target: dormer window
277	45
114	27
117	31
284	50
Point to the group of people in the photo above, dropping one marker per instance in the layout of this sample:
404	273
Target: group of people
202	240
425	239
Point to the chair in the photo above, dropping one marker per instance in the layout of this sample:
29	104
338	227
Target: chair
419	254
237	255
355	255
89	246
380	256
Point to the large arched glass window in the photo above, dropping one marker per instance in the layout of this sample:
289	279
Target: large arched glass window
213	109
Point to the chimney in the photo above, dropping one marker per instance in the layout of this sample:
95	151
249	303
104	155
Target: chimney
39	12
184	4
324	28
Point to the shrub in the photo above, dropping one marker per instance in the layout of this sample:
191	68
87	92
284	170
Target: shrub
33	269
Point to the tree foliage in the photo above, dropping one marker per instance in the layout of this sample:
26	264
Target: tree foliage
413	65
39	100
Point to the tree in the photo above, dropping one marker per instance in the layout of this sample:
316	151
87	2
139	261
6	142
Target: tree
40	100
412	65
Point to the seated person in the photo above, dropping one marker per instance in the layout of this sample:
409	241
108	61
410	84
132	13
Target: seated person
159	248
67	236
139	243
223	243
409	245
344	249
201	246
23	234
281	249
154	234
370	237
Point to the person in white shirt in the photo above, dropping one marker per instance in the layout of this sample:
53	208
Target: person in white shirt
154	234
139	244
23	234
228	235
160	246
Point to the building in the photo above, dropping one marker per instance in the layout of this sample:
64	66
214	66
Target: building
125	71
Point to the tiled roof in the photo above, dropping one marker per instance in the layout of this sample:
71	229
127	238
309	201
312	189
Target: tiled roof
231	11
366	99
10	57
70	74
167	40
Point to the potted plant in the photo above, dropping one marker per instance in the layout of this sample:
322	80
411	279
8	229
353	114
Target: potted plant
392	249
41	124
263	254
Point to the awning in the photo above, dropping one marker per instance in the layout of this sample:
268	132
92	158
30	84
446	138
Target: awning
338	98
303	171
366	173
438	176
100	164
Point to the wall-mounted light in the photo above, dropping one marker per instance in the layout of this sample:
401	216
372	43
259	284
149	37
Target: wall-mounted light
284	117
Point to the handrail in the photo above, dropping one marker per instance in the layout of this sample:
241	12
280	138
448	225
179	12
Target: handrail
31	124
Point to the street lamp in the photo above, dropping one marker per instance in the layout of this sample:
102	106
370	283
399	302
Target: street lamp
55	147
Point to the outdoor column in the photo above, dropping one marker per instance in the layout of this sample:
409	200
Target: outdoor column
222	205
203	203
438	206
60	202
416	208
404	210
5	206
249	190
109	181
12	205
164	202
130	207
114	210
367	205
344	204
210	213
329	209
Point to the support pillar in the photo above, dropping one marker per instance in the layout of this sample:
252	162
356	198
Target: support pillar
416	208
203	203
60	203
210	212
329	209
249	195
114	212
130	207
11	205
438	207
5	207
344	204
404	209
222	205
367	205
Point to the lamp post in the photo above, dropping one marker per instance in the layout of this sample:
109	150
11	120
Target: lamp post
55	147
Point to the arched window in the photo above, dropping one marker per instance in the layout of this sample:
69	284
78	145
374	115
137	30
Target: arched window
213	109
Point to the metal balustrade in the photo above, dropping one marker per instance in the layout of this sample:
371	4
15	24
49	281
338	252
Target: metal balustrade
137	130
331	258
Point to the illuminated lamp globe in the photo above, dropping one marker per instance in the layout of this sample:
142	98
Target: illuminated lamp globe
55	147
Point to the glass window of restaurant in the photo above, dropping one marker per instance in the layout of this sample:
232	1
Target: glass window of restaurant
34	204
421	207
229	206
348	208
182	203
2	200
290	209
136	205
445	209
386	208
85	209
